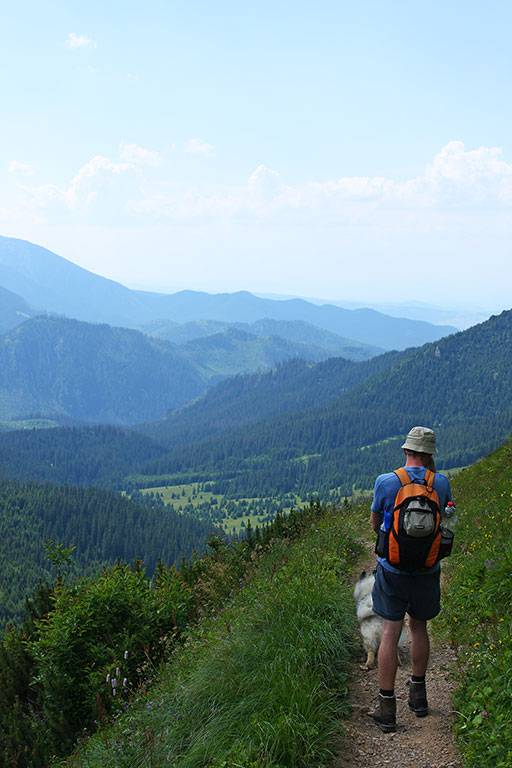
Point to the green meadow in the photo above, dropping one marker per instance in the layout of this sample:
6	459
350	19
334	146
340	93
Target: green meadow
232	515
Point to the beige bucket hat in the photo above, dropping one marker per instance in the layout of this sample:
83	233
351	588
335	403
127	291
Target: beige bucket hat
421	439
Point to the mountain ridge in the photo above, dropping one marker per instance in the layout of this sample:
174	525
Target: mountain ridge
57	285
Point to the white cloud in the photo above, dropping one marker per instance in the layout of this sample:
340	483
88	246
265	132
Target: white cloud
264	181
91	178
79	41
138	155
470	176
197	147
456	180
24	169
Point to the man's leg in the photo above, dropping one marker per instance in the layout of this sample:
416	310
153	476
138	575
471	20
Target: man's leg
420	646
385	714
420	651
388	653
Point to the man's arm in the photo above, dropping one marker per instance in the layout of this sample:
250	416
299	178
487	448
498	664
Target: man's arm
376	521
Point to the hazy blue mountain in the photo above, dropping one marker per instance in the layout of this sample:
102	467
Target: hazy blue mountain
89	372
52	283
237	352
14	310
55	366
292	330
363	325
48	281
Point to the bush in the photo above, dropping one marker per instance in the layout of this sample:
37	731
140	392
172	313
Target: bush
114	627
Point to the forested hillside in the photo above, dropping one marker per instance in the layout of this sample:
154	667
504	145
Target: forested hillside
91	372
99	455
289	387
102	525
236	352
461	386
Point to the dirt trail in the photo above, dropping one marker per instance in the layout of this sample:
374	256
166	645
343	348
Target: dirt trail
418	742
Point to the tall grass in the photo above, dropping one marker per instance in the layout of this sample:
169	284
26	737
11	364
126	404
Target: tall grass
477	613
264	682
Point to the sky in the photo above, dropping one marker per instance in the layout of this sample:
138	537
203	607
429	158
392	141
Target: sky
340	150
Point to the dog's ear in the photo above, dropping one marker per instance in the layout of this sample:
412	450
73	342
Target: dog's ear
363	574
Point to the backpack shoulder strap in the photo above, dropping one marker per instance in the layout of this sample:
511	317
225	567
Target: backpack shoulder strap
403	475
429	478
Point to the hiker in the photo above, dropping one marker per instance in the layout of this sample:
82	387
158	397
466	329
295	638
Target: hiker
413	588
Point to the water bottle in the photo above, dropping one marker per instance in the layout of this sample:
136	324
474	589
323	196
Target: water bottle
448	523
449	518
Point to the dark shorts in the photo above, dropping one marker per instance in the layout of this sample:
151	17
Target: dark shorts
395	594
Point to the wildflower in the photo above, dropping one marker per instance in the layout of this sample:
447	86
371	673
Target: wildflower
126	654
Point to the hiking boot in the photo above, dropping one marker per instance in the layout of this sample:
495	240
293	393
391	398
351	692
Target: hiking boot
418	698
385	714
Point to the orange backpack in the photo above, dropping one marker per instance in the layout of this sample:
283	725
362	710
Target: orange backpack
413	541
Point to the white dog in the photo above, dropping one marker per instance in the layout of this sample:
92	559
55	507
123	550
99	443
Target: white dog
370	624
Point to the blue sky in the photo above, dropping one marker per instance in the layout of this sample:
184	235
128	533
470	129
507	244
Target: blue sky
357	151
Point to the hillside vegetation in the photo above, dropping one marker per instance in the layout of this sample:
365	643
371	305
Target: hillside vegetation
99	455
101	525
87	645
477	615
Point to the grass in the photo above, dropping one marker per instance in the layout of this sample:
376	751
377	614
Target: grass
194	498
477	614
262	684
27	424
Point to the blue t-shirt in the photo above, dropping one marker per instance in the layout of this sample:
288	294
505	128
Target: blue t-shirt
384	495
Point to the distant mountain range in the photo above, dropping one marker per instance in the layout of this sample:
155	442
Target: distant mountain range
91	372
86	372
316	341
53	284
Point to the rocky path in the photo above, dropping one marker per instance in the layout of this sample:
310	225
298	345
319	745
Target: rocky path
418	742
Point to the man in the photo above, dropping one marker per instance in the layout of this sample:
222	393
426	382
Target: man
397	592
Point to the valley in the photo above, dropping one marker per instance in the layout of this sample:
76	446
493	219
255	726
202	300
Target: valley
156	450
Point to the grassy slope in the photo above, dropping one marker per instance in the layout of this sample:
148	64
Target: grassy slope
264	682
477	614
